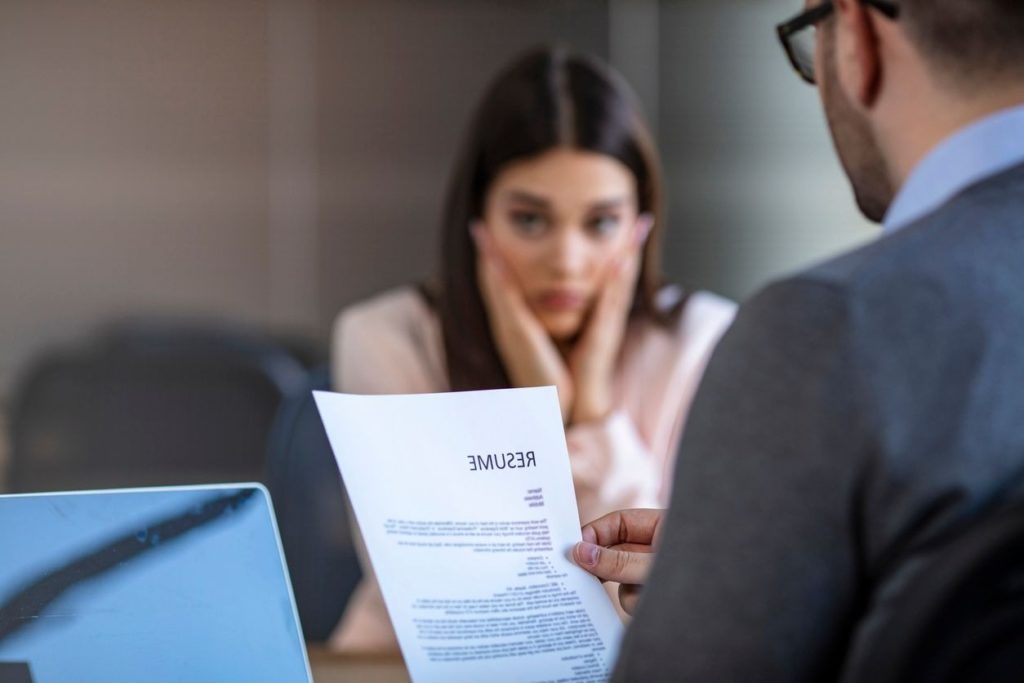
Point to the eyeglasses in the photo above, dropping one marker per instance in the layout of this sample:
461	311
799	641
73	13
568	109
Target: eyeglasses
798	35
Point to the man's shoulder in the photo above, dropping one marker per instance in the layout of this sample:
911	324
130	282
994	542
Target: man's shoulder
919	287
981	225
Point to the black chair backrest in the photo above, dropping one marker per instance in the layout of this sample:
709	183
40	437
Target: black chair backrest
171	406
312	513
955	617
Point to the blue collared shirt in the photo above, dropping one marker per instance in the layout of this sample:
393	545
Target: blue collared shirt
977	151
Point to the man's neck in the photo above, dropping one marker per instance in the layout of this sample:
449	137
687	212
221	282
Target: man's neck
934	116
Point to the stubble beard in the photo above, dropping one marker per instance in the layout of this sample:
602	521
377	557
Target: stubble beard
855	143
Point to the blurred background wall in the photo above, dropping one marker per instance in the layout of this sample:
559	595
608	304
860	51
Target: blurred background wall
269	161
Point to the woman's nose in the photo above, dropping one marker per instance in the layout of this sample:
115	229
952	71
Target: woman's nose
569	252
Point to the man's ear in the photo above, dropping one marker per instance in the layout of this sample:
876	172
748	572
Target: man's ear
858	59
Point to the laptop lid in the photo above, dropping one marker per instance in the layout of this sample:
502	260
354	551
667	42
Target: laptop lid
162	584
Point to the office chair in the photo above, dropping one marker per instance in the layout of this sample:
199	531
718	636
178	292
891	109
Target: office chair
312	514
957	618
152	404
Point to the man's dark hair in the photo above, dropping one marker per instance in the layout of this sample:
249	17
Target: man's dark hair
969	39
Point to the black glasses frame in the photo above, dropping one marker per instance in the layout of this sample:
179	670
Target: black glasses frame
812	16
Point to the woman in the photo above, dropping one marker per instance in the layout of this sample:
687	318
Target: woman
549	277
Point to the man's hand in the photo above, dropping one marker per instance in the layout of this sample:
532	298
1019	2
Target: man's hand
620	547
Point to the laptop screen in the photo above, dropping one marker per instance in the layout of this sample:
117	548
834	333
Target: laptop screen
180	584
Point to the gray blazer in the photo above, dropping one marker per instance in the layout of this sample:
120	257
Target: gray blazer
851	413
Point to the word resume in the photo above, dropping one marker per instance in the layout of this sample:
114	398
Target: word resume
466	505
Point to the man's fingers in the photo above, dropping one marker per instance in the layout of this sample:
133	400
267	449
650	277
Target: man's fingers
624	526
633	548
610	564
629	594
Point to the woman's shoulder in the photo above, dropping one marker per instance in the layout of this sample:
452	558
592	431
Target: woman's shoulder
398	311
695	312
688	325
394	333
664	357
709	310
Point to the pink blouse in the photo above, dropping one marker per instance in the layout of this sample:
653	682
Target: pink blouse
391	344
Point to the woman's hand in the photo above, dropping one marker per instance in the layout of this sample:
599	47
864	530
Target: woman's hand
620	547
527	351
593	359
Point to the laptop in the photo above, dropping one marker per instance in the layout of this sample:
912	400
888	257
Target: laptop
156	585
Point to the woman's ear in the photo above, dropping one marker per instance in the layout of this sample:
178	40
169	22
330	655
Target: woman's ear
485	245
476	229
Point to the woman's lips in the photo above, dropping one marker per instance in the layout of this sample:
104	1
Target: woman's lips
559	300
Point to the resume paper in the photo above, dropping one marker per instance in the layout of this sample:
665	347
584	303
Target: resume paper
466	505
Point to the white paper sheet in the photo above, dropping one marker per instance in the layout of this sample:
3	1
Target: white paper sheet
466	504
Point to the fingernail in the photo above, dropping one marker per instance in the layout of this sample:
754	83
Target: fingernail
587	554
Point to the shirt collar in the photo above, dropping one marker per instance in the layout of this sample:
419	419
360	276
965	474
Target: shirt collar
977	151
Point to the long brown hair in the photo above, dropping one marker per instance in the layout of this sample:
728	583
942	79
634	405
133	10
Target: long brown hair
547	98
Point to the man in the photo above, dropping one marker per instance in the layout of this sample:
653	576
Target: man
858	410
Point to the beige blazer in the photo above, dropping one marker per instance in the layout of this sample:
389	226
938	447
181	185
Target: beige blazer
391	344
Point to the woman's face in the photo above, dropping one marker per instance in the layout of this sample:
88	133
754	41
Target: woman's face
559	221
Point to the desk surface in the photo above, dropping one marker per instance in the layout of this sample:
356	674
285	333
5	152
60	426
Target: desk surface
331	667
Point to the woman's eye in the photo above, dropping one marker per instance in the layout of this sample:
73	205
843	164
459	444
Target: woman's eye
604	226
528	222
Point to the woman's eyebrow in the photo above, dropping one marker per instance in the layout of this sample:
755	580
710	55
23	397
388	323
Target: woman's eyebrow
523	197
609	203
